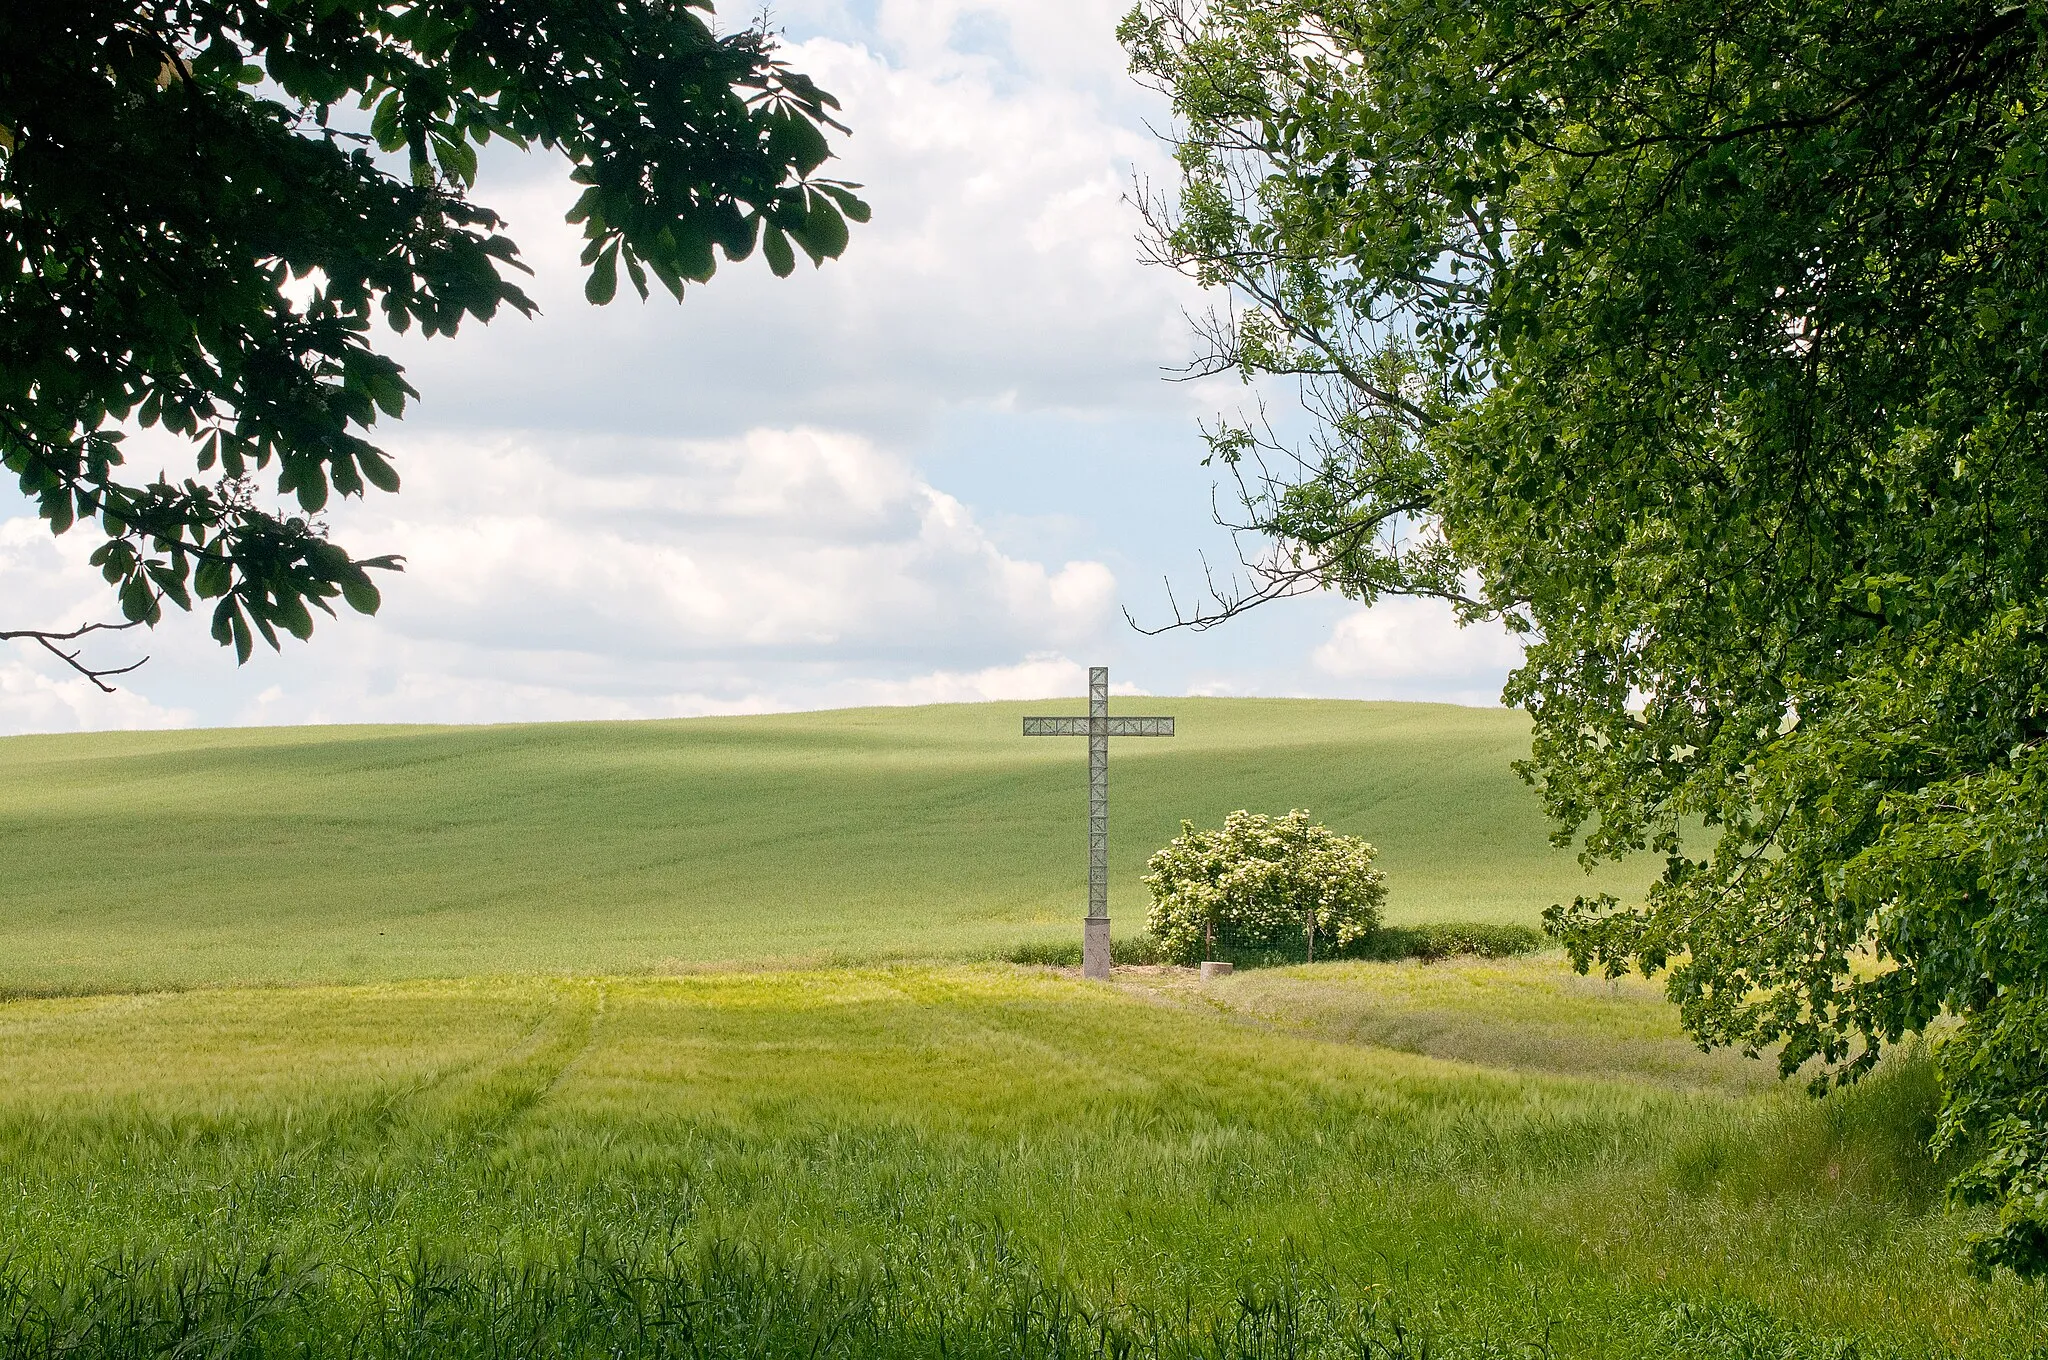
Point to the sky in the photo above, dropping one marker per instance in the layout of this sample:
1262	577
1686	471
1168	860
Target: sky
950	466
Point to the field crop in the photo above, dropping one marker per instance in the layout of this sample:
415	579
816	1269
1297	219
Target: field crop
986	1148
142	860
684	1039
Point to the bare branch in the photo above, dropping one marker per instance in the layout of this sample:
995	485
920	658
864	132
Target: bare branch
49	638
1288	564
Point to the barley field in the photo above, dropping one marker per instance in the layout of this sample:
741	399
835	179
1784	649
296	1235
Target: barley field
599	1101
359	854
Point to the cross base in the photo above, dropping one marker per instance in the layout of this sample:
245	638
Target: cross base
1095	948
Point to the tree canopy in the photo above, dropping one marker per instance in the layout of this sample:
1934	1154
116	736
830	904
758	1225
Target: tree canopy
207	205
1702	342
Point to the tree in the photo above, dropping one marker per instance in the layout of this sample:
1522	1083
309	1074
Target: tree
1703	344
190	239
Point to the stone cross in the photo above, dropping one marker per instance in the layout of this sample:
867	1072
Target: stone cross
1098	727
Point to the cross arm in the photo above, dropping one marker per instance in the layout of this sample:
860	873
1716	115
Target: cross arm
1111	727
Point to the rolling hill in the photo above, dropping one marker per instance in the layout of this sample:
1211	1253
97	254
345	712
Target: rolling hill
354	854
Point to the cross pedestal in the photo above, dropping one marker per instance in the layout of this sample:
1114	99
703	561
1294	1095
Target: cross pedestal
1098	727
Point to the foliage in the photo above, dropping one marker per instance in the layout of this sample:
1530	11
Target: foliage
1703	344
1262	882
1450	939
191	238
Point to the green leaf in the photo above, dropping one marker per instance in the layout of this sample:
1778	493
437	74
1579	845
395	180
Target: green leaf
380	472
362	596
291	611
389	391
138	601
456	157
171	582
586	206
245	645
603	282
823	234
212	578
347	480
324	557
262	624
734	231
775	249
855	208
308	480
692	256
796	141
666	272
384	124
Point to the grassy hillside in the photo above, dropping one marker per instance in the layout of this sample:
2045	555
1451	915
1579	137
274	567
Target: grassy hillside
363	854
962	1160
491	1126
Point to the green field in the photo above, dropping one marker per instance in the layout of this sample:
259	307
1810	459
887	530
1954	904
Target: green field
675	1043
351	854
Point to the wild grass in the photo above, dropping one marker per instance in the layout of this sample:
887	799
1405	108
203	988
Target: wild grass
665	1039
291	855
959	1160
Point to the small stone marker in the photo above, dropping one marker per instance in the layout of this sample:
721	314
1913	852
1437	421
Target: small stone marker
1213	969
1098	727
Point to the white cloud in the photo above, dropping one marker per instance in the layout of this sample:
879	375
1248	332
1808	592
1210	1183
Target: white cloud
622	577
785	542
917	474
56	585
45	700
391	679
1044	675
999	270
1403	648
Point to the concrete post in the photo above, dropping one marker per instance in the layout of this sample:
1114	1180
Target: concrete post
1095	948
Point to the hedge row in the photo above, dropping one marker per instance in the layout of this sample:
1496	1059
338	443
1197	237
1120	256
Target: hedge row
1436	940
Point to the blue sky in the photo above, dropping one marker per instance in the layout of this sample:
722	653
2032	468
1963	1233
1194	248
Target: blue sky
938	469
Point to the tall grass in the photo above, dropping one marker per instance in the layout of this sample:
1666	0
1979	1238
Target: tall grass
721	1300
958	1161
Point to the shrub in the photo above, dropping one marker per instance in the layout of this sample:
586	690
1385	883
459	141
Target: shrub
1442	939
1259	882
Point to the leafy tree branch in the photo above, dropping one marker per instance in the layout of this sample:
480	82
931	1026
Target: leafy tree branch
1726	322
190	240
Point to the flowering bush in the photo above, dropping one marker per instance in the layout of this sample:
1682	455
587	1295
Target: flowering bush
1258	883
